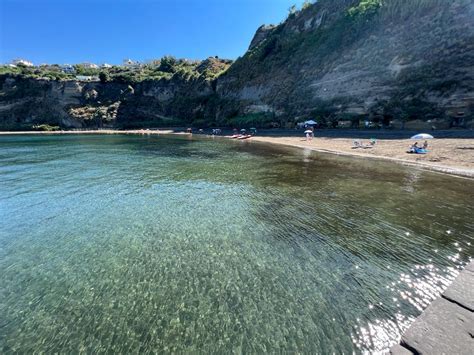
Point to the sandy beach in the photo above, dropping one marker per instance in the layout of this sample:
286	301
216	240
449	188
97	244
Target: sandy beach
447	155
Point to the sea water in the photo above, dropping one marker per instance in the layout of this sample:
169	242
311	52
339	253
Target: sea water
133	244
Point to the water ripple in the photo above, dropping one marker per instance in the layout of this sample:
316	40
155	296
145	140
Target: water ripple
154	244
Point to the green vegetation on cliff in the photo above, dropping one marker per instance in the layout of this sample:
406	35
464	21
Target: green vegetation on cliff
49	72
165	68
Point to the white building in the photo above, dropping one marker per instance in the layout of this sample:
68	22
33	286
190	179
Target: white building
22	62
130	63
106	65
67	68
88	65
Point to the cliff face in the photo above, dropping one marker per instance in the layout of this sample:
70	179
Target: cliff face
390	60
73	104
402	60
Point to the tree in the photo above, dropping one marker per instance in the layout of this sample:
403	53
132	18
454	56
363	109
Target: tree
292	10
306	4
168	64
104	77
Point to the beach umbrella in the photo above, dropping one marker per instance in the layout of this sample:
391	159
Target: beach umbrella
308	131
422	136
243	130
311	122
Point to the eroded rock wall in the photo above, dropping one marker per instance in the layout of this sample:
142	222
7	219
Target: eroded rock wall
406	65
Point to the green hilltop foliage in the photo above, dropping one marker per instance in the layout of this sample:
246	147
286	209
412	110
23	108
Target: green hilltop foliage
49	72
166	68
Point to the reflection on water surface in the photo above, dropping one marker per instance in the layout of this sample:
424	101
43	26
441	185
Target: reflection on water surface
131	243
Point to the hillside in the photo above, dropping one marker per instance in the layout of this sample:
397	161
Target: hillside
396	62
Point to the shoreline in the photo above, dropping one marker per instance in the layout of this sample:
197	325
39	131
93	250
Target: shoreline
99	131
443	169
393	150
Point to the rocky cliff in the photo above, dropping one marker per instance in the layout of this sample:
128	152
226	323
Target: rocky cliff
341	61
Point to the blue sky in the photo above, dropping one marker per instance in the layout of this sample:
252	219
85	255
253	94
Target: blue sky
73	31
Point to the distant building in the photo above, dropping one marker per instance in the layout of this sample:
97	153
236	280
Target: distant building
67	68
106	65
22	62
88	65
130	63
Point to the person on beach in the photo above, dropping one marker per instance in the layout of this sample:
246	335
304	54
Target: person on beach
413	148
425	145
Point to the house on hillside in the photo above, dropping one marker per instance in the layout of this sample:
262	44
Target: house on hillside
67	68
22	62
106	66
130	63
88	65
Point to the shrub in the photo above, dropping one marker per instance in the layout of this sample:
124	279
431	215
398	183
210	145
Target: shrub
104	77
168	64
365	8
306	4
45	127
81	70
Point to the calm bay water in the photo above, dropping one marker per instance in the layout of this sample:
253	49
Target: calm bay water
156	243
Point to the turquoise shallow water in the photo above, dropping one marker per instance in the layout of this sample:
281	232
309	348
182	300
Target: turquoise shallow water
161	243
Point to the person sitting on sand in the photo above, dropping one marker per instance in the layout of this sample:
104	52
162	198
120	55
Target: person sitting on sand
425	145
413	148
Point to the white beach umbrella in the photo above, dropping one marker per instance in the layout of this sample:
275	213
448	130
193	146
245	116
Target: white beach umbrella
422	136
308	131
311	122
